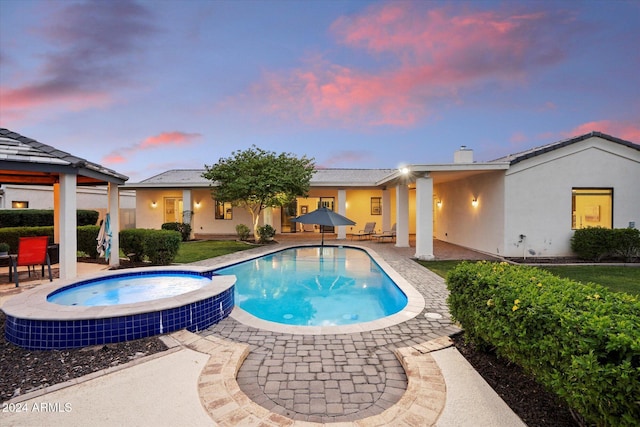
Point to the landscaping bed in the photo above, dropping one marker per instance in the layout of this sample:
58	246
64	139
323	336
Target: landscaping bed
536	406
24	371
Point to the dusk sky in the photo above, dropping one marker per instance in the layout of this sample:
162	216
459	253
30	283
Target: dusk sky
142	87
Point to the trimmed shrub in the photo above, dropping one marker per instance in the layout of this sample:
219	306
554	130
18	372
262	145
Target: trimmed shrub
182	228
581	341
266	233
161	246
88	240
626	243
592	243
11	235
243	232
596	243
87	217
41	217
132	243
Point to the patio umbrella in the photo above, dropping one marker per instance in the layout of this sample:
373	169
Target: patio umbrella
323	216
104	238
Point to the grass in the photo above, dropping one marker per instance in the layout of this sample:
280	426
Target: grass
204	249
617	279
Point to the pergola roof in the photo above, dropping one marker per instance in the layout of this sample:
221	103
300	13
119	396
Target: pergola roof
26	161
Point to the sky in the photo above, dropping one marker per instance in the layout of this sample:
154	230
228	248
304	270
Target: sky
143	87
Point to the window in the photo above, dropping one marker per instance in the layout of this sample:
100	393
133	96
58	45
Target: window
592	207
224	210
19	205
376	206
172	209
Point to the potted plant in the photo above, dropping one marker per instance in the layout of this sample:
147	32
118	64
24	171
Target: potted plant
4	249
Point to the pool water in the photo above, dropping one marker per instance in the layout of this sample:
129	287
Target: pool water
129	289
309	287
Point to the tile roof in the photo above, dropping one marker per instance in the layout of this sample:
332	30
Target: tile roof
16	149
322	177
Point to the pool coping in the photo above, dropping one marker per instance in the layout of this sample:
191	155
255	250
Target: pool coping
32	304
415	300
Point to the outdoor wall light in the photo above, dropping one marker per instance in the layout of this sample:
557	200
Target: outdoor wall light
474	202
154	204
439	203
197	204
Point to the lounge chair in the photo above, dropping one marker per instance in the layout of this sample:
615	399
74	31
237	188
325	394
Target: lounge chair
307	227
391	234
369	229
32	251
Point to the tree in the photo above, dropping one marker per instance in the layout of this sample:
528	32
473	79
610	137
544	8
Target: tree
256	179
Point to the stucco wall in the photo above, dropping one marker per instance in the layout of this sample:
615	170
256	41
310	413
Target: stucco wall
90	198
203	218
458	221
538	194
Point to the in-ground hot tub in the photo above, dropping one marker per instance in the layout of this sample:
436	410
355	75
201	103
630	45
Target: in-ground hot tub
36	323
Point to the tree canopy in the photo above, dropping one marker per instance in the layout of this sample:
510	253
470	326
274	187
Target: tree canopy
255	179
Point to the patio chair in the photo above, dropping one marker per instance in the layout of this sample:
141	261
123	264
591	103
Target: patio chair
391	234
32	251
369	229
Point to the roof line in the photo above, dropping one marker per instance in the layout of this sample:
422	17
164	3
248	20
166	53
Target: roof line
524	155
88	168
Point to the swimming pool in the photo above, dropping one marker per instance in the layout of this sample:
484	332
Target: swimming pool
305	286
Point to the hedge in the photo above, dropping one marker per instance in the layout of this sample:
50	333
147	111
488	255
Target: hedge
159	246
581	341
596	243
42	217
12	235
183	228
88	240
87	237
132	243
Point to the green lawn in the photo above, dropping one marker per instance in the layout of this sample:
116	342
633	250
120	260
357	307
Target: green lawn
618	279
203	249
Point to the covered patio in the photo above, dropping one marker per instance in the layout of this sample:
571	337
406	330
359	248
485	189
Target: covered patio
26	161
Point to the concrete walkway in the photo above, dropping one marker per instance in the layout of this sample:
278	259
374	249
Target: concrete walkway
407	374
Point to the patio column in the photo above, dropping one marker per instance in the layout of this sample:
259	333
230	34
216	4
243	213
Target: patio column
114	216
402	216
56	213
424	218
386	209
342	210
68	227
187	206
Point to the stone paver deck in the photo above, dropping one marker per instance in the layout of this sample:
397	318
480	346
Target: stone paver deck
363	378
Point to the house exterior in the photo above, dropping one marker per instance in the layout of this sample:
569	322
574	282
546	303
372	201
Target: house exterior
523	205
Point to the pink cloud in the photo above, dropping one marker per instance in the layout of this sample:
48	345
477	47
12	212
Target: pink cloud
428	56
343	158
518	138
163	139
170	138
92	48
623	130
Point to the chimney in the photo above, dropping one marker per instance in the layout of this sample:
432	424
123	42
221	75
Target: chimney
463	155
